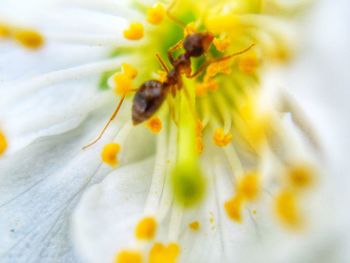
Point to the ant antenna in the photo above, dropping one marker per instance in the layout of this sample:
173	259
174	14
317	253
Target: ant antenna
162	63
108	123
172	17
206	64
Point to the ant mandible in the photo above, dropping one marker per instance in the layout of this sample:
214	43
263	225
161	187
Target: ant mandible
152	93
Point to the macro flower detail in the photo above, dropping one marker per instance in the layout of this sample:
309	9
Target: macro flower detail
157	131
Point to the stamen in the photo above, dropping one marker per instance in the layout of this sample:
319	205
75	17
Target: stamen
190	29
146	228
134	32
3	143
301	176
109	154
233	208
287	210
249	186
156	14
129	70
154	124
122	84
128	256
5	31
195	225
223	67
29	38
248	62
221	44
164	254
221	138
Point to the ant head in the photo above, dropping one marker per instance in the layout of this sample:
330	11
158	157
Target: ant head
197	43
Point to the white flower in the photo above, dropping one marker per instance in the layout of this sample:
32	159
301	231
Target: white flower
259	190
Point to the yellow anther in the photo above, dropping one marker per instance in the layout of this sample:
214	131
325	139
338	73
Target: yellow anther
29	38
234	208
220	138
201	89
199	127
122	84
154	124
3	143
301	176
249	186
190	29
129	70
248	62
146	229
223	67
134	32
110	154
5	31
156	14
128	256
221	44
195	225
162	76
199	144
164	254
287	210
207	85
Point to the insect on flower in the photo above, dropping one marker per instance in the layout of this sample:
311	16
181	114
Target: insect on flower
152	93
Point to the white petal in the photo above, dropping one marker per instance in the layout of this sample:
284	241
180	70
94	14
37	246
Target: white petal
103	223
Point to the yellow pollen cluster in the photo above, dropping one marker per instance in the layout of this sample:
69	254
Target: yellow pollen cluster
123	82
5	31
190	29
301	176
128	256
234	207
3	143
195	225
156	14
248	189
164	254
220	138
286	208
249	186
207	85
129	70
223	67
221	44
154	124
109	154
162	76
248	62
146	229
134	32
28	38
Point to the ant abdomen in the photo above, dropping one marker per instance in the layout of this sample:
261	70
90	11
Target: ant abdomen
148	100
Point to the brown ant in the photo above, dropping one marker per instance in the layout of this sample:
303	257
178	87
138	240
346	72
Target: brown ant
152	93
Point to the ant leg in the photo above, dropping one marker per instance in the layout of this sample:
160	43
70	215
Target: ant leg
207	63
108	123
162	63
172	17
172	49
